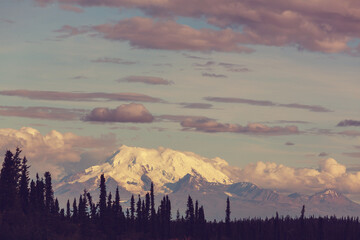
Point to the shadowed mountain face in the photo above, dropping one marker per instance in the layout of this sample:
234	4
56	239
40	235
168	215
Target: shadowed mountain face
182	174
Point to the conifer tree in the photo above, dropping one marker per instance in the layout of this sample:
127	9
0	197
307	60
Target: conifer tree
227	211
117	207
152	207
9	177
40	193
49	193
33	195
196	211
24	185
132	208
68	213
190	210
102	200
75	211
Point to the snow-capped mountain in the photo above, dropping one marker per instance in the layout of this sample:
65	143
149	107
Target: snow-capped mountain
209	181
134	168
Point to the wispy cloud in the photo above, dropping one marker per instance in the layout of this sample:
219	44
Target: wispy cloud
71	8
146	80
132	112
349	123
213	75
197	105
267	103
114	60
79	96
212	126
146	33
49	113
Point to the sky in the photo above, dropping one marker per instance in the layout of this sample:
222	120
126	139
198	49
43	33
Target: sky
255	81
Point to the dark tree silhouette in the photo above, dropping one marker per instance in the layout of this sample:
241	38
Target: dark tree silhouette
9	177
49	193
24	185
102	198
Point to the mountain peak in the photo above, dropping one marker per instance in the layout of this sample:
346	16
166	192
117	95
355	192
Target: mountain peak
129	166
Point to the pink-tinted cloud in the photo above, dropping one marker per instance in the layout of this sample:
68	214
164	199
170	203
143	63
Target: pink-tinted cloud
48	152
267	103
71	8
50	113
146	80
212	126
147	33
322	25
79	96
349	123
132	112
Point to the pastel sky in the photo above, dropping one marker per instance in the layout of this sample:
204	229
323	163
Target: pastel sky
262	80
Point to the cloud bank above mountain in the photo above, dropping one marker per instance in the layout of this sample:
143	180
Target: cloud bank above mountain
50	151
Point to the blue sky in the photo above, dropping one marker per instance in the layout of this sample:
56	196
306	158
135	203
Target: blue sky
193	52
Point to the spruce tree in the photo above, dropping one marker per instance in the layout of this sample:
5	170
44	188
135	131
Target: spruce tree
9	177
24	185
49	193
227	211
102	200
68	211
132	208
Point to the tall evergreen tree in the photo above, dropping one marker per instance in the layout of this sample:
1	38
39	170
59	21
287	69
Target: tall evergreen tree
49	192
102	200
40	193
132	208
196	211
152	200
75	211
24	185
227	211
9	177
68	211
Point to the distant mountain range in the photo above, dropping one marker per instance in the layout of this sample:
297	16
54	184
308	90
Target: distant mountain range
210	181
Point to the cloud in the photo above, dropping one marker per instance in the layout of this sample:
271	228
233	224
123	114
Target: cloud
350	133
205	74
146	80
79	77
42	113
113	60
330	174
194	57
289	144
348	123
267	103
323	26
311	108
145	33
79	96
132	112
179	118
197	105
71	8
323	154
212	126
49	152
231	67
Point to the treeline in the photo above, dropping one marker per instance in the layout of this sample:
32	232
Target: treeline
29	210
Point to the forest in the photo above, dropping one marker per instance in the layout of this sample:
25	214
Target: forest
29	210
